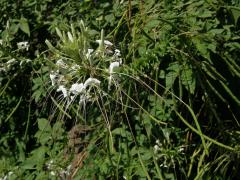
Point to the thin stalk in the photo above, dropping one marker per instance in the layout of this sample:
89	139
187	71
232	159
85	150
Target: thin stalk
116	29
158	170
206	137
28	121
6	85
230	93
181	118
134	139
195	153
60	108
143	167
15	108
152	117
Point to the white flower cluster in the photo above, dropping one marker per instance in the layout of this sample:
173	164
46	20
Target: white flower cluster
62	77
9	64
116	60
58	171
106	43
161	154
157	147
75	89
12	66
23	45
78	88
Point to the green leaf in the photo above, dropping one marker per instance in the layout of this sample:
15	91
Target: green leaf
174	67
14	28
21	148
170	79
57	130
205	14
110	18
162	74
43	137
36	95
23	24
202	47
188	79
151	24
172	74
236	14
43	124
37	159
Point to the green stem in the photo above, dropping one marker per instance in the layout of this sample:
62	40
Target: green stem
206	137
15	108
28	121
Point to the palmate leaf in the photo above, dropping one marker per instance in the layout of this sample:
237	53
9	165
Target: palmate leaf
184	72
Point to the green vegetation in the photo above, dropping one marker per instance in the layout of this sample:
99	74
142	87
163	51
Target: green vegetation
119	89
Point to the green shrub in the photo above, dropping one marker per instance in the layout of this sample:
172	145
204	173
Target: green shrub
160	102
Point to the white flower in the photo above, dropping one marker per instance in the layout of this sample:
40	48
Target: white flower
156	148
77	88
53	77
10	173
23	62
117	52
62	79
84	98
68	169
181	149
61	63
70	37
23	45
63	89
89	53
99	42
109	51
49	164
164	164
11	61
53	173
91	81
75	67
113	66
109	82
2	69
106	43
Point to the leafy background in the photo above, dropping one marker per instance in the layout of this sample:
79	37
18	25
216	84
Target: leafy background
174	114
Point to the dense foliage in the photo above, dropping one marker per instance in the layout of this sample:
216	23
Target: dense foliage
119	89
